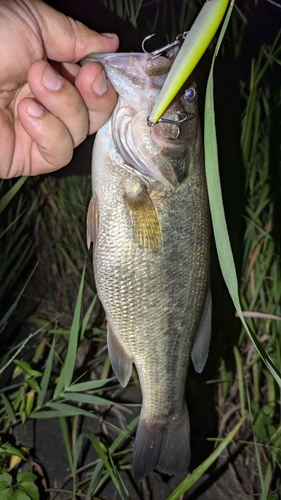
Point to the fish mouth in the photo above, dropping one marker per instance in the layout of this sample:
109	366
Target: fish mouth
129	65
140	68
111	56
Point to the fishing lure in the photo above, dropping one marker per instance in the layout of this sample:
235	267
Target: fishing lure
195	44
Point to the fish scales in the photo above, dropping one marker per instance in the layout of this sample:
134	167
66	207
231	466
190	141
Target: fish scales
149	221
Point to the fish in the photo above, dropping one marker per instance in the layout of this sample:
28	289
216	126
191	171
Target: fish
148	220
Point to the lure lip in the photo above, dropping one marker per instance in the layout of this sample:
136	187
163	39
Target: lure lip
195	44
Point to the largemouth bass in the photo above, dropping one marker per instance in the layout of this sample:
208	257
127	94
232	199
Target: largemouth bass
149	222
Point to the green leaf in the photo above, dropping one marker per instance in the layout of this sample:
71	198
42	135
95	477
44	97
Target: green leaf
259	427
224	251
123	434
5	480
87	317
100	450
5	200
267	410
46	375
61	410
9	450
20	495
9	409
202	468
30	489
22	344
6	494
67	443
90	385
26	476
78	447
86	398
26	368
10	311
270	430
263	495
33	383
66	374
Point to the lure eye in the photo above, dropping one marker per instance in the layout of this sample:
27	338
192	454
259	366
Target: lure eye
190	94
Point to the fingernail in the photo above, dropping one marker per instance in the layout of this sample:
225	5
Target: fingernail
51	79
100	84
108	35
35	110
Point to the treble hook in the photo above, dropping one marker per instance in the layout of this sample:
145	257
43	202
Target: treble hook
172	122
178	41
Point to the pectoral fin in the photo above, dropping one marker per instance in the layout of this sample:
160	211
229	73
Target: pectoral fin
201	342
145	220
120	360
92	222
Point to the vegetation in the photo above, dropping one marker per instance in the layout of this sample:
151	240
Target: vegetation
54	367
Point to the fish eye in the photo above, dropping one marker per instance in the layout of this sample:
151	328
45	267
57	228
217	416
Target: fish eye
190	94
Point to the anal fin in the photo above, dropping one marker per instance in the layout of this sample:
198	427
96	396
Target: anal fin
121	362
200	348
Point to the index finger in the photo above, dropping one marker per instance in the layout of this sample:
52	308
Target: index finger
75	39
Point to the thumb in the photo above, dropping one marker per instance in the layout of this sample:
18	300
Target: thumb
68	40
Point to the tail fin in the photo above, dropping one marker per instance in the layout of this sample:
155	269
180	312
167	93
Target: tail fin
162	445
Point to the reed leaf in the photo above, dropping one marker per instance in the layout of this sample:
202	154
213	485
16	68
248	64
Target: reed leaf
90	385
46	375
100	450
224	251
86	398
5	200
58	410
67	371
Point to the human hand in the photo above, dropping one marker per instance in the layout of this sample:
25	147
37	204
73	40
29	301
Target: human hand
44	114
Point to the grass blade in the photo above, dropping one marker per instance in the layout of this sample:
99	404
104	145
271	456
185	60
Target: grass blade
87	399
10	311
94	479
9	409
61	410
46	375
87	317
91	385
123	434
263	488
19	348
99	449
67	371
66	440
224	251
240	378
77	451
5	200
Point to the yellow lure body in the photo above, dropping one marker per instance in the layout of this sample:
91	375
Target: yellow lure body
194	46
